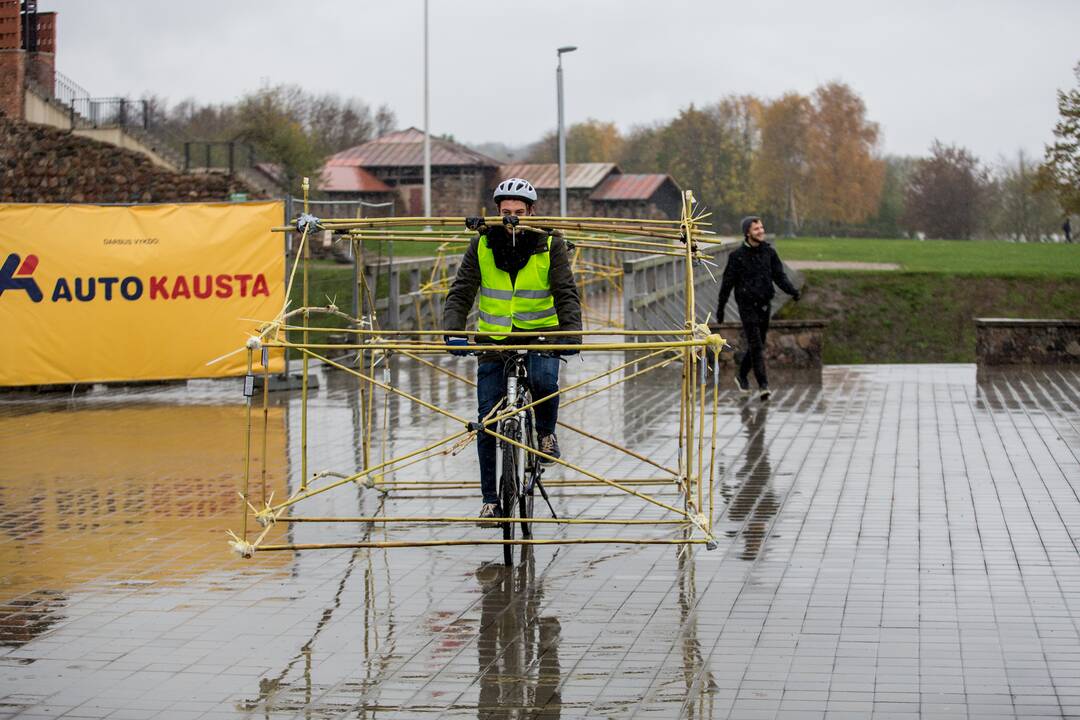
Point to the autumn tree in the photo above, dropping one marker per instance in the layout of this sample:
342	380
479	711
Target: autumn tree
845	175
589	141
945	193
708	150
781	167
1060	172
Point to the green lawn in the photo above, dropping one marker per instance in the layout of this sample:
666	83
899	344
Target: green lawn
956	257
921	313
900	317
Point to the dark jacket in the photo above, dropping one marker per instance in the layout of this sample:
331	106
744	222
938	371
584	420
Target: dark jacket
511	258
751	272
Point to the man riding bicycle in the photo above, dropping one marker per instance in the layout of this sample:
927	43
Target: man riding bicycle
526	284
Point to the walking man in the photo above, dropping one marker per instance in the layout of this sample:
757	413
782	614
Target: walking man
1067	227
751	270
525	284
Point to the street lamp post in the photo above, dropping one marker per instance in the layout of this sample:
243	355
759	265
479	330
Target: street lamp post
427	129
562	132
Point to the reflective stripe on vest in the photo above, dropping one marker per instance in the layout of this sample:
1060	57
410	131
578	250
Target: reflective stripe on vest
528	304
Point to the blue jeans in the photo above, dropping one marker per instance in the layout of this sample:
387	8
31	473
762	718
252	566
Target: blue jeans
491	387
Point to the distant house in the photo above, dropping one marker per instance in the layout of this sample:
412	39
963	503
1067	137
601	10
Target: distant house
392	166
600	190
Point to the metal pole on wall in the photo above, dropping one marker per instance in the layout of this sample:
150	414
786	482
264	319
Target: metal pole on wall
427	129
562	130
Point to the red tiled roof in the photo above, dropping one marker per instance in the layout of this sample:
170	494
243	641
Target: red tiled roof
405	148
631	187
344	178
546	176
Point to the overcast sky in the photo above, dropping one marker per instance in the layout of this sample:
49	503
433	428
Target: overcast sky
982	73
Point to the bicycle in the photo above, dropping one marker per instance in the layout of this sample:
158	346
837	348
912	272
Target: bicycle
519	471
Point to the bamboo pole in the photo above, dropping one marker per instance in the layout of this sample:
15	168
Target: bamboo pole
266	419
712	448
689	355
385	519
429	347
304	363
476	333
247	446
447	543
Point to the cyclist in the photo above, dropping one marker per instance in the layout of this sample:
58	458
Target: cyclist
525	284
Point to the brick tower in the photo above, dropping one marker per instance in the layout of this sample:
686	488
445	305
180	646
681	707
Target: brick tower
27	53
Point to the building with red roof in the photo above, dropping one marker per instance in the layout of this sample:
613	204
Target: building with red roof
462	180
600	190
392	166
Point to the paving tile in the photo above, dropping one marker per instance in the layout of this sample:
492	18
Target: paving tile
894	541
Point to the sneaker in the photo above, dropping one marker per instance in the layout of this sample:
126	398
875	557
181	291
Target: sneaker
743	384
488	511
549	445
766	393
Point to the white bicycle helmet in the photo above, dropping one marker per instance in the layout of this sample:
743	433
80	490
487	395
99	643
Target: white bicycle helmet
515	189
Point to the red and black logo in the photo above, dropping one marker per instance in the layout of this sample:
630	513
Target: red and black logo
16	275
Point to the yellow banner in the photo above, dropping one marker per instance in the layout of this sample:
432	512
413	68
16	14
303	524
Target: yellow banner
97	294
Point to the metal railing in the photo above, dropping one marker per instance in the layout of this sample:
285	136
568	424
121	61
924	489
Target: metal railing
654	295
66	90
218	155
109	112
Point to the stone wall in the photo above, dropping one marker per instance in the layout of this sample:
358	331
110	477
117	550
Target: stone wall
577	202
789	343
42	164
1008	341
464	192
454	190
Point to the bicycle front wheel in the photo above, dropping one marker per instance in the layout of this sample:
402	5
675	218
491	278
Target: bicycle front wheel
530	475
508	492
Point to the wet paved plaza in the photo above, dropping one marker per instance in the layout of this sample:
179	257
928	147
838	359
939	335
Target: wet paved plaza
895	542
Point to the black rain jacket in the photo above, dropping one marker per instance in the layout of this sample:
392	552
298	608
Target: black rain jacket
751	272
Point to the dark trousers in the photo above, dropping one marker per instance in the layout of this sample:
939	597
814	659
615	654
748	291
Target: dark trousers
755	322
543	372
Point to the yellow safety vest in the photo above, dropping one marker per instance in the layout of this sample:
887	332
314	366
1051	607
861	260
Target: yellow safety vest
526	303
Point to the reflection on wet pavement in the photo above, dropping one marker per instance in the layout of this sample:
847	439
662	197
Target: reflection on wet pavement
896	541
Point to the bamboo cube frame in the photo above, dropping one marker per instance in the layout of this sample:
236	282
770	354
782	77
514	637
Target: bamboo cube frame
693	479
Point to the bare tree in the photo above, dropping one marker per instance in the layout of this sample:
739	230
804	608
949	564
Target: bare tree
1019	210
945	193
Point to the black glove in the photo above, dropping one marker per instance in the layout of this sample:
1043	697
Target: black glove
511	220
457	345
474	222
